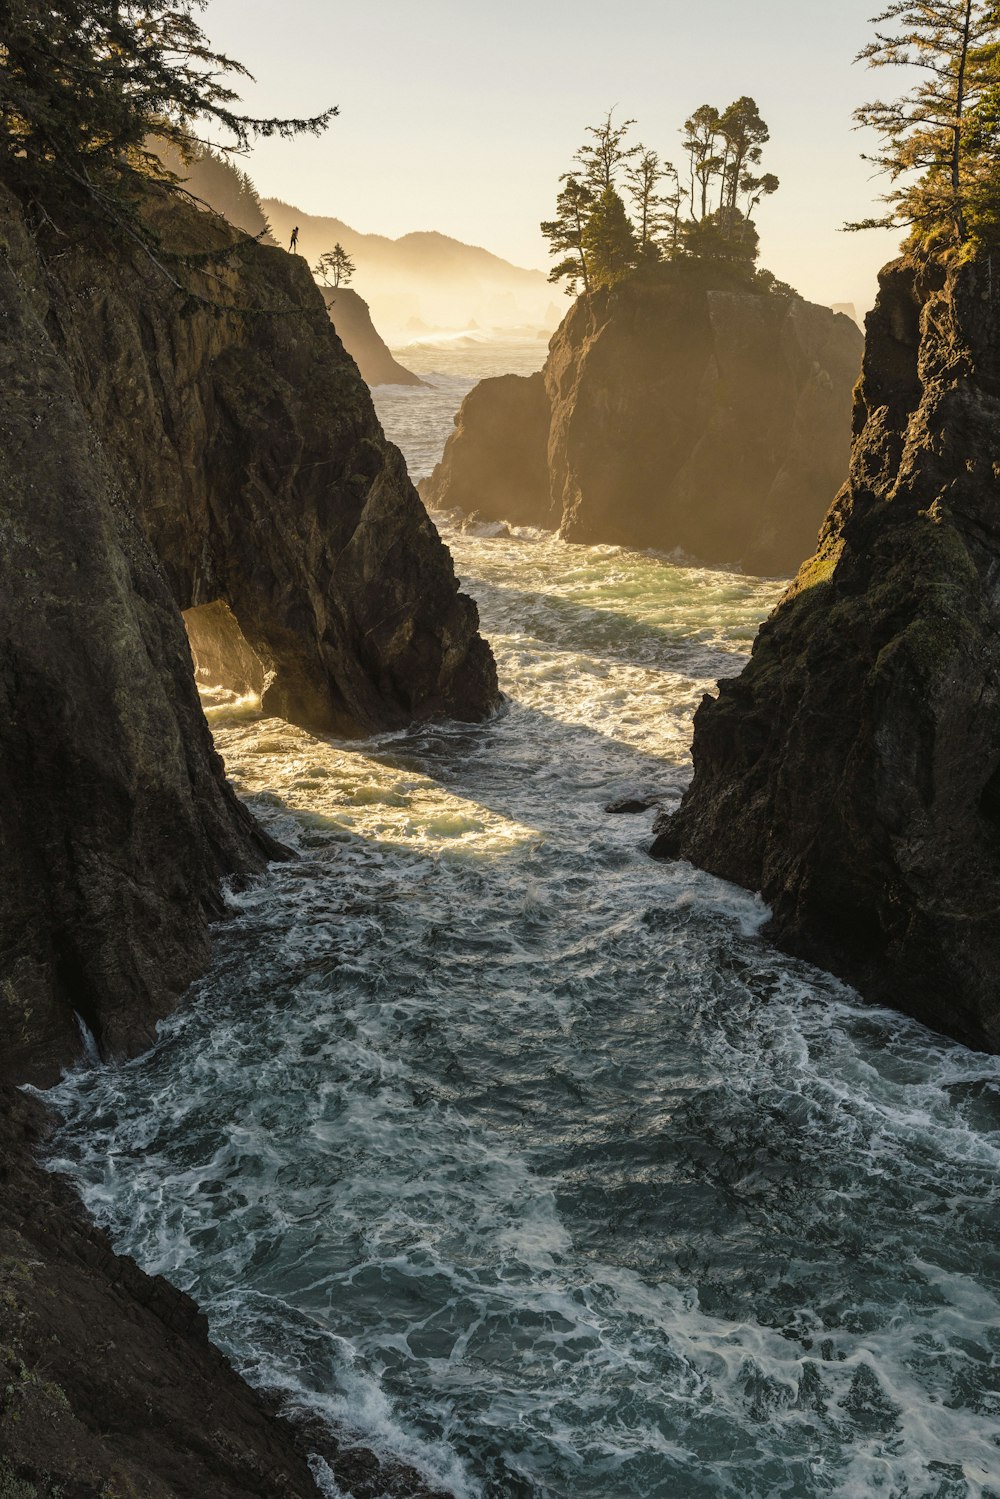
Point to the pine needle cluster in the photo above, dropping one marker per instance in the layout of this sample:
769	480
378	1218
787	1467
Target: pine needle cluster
939	141
86	85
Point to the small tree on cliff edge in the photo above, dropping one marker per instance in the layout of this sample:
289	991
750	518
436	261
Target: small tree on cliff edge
565	235
335	267
939	141
657	212
609	241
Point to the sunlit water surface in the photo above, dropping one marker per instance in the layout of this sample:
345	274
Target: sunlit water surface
522	1157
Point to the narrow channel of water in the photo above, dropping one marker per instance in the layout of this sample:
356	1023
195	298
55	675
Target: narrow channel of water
524	1158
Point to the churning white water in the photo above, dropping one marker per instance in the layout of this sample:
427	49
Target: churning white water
517	1155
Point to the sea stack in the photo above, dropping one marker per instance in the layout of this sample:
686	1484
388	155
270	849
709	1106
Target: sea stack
247	445
677	410
852	772
351	316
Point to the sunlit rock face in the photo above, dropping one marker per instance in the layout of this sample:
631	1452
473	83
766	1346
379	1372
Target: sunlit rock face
116	821
852	773
351	317
248	447
676	416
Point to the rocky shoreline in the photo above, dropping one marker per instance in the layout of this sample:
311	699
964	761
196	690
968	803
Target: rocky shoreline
852	772
166	451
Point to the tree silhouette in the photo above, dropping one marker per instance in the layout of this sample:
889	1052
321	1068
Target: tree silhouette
602	156
84	83
598	244
565	234
609	240
335	266
657	212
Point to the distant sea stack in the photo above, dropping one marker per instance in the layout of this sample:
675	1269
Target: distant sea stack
852	772
670	414
352	319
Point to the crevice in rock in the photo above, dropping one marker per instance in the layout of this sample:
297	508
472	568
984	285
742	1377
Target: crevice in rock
223	657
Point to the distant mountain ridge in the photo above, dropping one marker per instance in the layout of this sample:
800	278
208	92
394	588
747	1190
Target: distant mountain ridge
425	276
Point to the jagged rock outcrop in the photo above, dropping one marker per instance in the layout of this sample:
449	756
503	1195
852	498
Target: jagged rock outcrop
249	449
116	821
852	773
680	415
352	319
245	447
158	454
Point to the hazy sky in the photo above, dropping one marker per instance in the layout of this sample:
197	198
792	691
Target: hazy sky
460	116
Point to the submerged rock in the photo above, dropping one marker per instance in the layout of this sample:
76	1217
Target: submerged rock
852	773
352	319
670	414
631	806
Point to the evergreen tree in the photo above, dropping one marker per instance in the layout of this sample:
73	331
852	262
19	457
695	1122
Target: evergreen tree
602	157
702	136
722	238
938	140
745	135
335	266
597	241
565	234
657	212
83	83
609	240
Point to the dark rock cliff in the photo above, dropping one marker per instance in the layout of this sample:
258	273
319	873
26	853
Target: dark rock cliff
352	319
248	446
155	456
242	451
852	773
496	461
678	416
116	821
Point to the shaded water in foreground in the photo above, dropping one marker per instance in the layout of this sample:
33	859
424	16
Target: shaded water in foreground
522	1157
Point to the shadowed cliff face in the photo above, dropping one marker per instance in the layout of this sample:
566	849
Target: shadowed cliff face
249	449
127	426
246	449
852	773
496	462
116	822
352	319
717	422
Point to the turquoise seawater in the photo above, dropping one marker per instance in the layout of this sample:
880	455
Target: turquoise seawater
517	1155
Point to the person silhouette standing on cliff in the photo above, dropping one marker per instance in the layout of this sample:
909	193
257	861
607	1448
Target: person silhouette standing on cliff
293	243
